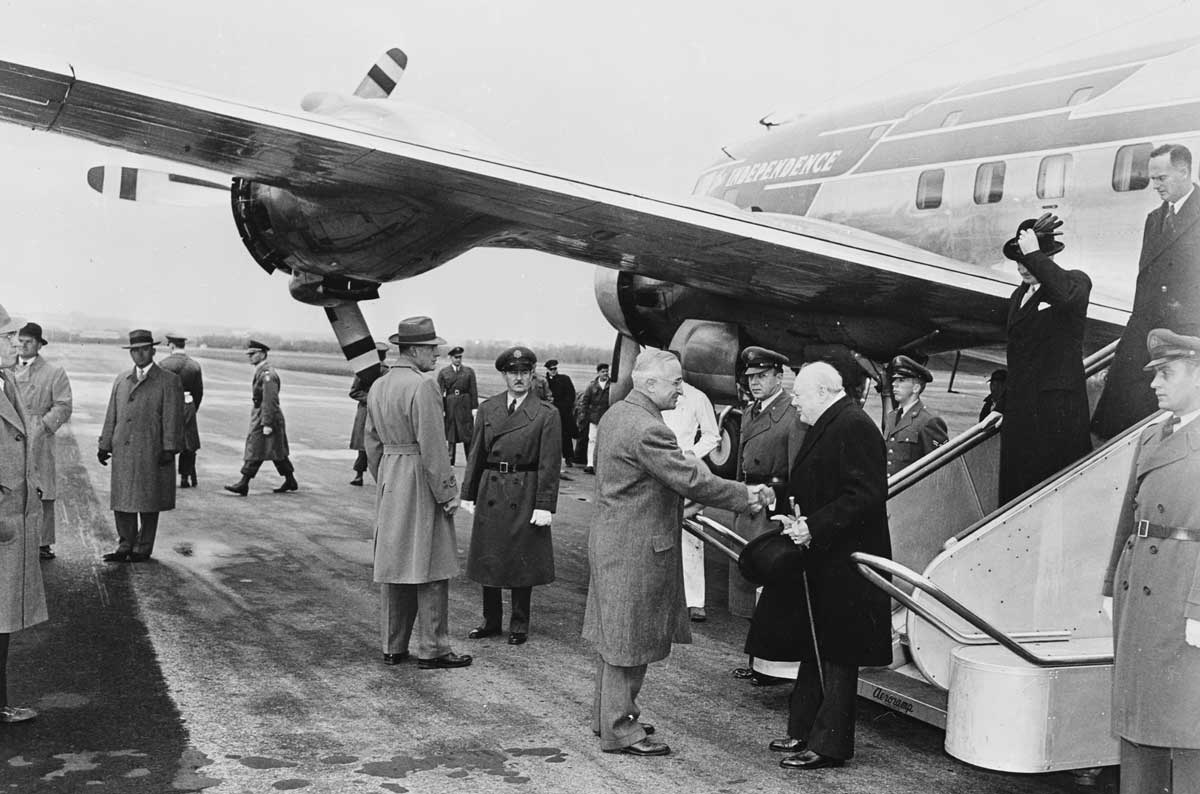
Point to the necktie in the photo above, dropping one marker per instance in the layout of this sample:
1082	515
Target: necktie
1169	426
141	375
1169	220
1028	294
512	406
756	409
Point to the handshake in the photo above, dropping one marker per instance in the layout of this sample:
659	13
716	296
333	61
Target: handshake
759	497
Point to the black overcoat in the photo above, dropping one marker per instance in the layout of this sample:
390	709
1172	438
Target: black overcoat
191	378
562	389
839	480
1046	409
460	396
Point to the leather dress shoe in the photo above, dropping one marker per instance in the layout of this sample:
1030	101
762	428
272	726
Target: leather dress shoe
759	679
645	747
742	673
357	481
788	745
517	638
16	714
184	483
480	632
395	658
697	614
810	760
239	488
592	470
139	556
289	484
120	555
448	661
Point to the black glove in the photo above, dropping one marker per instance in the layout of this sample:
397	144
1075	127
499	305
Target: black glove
166	457
103	455
1047	226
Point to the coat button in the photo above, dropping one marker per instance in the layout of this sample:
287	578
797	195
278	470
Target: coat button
1124	585
1154	549
19	437
1129	545
1146	590
1160	509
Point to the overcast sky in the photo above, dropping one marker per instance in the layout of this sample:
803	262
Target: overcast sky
638	95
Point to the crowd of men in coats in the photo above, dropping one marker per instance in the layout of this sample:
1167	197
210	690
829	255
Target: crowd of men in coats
811	466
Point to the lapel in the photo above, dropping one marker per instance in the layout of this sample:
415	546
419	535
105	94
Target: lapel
8	412
906	418
151	372
519	418
817	430
762	423
1157	452
1017	312
1187	218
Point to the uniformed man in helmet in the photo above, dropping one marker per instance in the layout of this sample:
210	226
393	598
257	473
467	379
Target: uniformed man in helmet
911	429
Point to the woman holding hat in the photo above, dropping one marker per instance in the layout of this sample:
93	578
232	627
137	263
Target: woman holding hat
1046	409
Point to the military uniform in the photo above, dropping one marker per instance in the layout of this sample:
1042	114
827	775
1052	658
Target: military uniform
460	397
265	413
915	431
192	378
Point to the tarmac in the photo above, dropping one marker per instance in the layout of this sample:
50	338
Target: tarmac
245	656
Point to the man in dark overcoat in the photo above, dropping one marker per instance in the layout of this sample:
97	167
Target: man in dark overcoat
22	596
562	389
911	430
1045	424
192	379
359	388
593	402
1154	575
460	400
512	482
142	430
267	438
635	602
839	484
1167	294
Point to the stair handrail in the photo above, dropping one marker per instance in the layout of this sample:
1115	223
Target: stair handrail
709	531
868	565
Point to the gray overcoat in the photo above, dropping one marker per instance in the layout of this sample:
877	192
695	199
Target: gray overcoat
143	420
22	597
264	396
1155	584
46	392
506	550
407	455
191	378
635	604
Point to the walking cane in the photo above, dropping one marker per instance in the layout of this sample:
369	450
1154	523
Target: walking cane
812	622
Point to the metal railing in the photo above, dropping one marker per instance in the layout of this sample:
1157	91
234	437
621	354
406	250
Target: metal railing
869	566
716	534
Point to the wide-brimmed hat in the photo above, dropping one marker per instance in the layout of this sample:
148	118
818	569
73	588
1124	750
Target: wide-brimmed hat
8	324
416	331
1165	345
33	330
1046	229
140	337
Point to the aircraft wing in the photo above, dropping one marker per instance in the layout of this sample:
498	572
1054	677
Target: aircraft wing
804	265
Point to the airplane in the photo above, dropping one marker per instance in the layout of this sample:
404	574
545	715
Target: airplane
873	230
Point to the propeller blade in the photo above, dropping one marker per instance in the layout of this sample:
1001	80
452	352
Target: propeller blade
156	187
383	76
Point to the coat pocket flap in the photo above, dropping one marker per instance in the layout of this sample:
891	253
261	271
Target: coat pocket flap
662	542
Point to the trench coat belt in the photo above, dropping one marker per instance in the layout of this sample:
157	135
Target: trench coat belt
751	479
456	392
401	449
504	466
1147	530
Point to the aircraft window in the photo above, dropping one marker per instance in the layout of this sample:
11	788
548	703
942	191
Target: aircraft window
1131	168
989	182
952	118
929	189
1079	96
1052	176
878	131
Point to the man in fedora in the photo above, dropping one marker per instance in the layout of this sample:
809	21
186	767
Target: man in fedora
415	549
22	596
460	399
267	438
47	395
192	379
911	430
141	434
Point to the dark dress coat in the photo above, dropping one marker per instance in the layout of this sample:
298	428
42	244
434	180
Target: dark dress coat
459	397
359	388
143	420
264	396
916	433
506	550
562	389
22	596
593	403
192	380
1167	295
1045	424
839	481
635	604
1155	584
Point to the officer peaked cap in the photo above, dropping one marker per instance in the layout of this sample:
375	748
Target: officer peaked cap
759	359
905	367
1165	345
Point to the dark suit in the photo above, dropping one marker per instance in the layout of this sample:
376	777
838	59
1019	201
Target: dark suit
1046	410
459	398
911	435
192	380
563	392
839	481
1167	296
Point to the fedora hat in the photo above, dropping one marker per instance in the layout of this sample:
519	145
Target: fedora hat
771	558
8	324
34	331
140	337
416	331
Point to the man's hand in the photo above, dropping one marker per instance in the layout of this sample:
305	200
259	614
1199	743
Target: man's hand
452	505
795	528
1191	633
541	518
692	509
758	497
166	457
1106	607
267	431
103	455
1028	241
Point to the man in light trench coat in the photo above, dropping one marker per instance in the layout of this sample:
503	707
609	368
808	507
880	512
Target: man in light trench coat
415	548
635	603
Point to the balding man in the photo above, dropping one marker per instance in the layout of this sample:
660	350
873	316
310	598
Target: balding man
635	603
839	486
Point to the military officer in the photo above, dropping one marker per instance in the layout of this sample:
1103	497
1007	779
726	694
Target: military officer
192	379
512	478
460	400
770	439
267	439
911	430
1154	575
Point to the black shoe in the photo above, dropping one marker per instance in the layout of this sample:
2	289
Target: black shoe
357	481
570	465
241	487
395	658
647	727
788	745
758	679
46	553
742	673
192	477
183	483
517	638
289	484
810	760
592	470
139	556
450	660
480	632
645	747
120	555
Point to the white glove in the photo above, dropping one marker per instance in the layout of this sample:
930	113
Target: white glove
267	431
1191	633
473	412
1106	607
467	506
541	518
